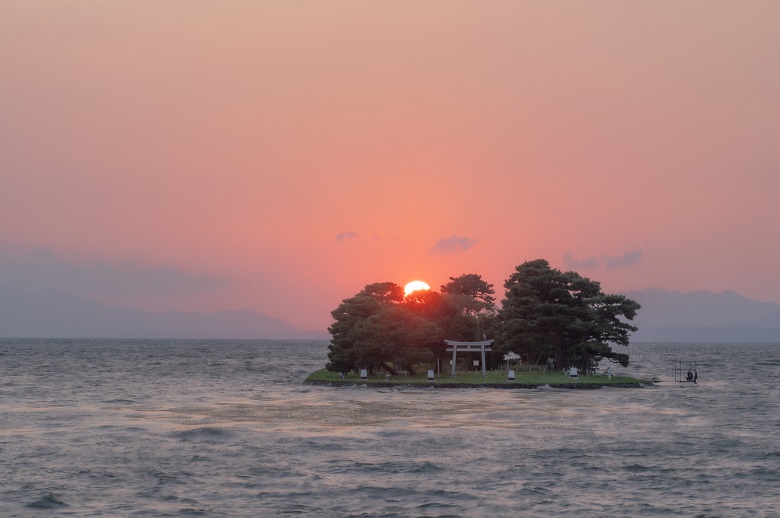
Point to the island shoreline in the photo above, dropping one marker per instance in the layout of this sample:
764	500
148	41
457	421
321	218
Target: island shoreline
505	386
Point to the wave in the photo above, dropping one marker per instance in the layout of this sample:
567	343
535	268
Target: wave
204	433
48	501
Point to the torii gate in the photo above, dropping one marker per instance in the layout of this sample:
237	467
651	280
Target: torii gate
468	347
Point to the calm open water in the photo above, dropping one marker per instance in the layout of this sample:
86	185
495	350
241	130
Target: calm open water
226	428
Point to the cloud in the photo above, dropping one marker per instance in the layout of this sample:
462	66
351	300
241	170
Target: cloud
589	263
608	262
453	245
42	269
344	236
628	259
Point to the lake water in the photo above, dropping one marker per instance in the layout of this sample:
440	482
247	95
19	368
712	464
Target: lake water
226	428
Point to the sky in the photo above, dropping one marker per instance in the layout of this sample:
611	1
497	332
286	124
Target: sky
280	155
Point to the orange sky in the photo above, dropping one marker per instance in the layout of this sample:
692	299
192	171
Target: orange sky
280	155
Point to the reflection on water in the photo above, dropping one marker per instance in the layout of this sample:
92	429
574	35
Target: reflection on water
227	429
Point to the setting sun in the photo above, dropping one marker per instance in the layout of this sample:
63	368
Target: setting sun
415	286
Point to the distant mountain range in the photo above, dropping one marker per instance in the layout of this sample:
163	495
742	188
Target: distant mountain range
702	316
51	314
666	316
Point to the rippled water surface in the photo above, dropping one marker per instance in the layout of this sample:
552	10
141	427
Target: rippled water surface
226	428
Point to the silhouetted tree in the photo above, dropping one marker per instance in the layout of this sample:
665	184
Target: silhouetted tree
547	312
475	297
380	328
475	294
372	300
394	336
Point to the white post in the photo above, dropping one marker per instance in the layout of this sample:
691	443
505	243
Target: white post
454	358
484	371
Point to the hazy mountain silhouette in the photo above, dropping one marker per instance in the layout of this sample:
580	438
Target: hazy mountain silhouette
51	314
666	316
702	316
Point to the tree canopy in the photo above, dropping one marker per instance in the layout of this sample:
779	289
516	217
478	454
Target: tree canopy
550	313
380	328
476	295
545	313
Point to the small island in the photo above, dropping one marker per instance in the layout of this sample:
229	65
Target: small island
493	380
554	329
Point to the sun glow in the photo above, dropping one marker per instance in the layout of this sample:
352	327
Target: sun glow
415	286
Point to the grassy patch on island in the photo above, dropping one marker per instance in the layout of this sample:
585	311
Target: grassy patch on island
474	378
